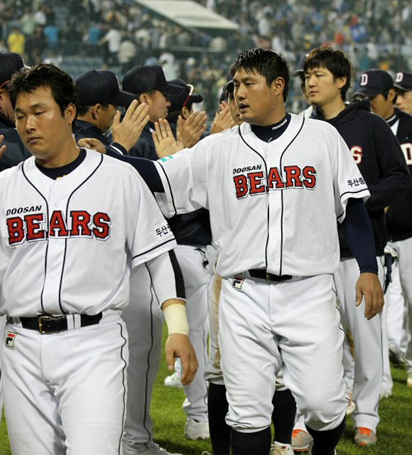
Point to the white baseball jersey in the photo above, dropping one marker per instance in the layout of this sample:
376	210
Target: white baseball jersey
48	224
273	205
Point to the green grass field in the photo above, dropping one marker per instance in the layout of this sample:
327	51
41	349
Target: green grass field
394	431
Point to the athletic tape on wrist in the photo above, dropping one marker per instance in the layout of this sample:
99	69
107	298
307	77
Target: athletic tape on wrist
176	319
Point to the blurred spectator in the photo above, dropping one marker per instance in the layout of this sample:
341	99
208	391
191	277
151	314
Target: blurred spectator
16	41
51	33
112	38
28	22
35	45
127	52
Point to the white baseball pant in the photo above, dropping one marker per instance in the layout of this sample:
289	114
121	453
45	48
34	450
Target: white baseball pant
295	323
368	338
65	393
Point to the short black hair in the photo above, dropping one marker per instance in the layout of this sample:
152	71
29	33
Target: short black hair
27	80
266	62
335	61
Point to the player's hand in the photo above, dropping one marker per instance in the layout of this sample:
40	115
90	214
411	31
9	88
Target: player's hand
369	288
2	147
191	130
223	120
128	131
92	144
165	142
179	345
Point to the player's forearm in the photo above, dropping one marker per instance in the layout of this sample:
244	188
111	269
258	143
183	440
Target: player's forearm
359	236
166	278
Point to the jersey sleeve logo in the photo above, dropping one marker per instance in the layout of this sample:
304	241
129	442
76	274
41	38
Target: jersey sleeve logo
80	223
254	183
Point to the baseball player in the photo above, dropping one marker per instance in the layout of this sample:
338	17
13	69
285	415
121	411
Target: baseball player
150	87
73	246
403	87
192	232
274	191
378	86
284	407
380	160
98	97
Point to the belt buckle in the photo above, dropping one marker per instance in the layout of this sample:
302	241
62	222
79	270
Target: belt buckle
268	277
40	322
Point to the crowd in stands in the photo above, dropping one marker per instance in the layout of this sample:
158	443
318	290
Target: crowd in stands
373	33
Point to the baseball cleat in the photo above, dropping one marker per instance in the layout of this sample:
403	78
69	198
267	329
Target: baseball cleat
196	430
351	407
278	448
301	440
173	381
365	437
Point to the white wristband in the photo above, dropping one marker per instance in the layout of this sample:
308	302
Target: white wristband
176	319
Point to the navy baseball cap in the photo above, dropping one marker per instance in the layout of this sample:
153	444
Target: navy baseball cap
301	65
100	86
403	81
141	79
374	82
10	63
186	96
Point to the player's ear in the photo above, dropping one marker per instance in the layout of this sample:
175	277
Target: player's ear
144	98
278	85
341	81
70	112
391	94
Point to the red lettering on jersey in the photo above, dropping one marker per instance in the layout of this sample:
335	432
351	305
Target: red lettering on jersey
293	177
255	179
101	228
357	153
16	231
241	185
58	226
309	174
274	178
80	223
33	229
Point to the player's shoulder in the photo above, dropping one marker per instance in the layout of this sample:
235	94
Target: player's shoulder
111	166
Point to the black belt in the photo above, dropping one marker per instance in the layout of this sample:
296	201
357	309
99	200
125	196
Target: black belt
53	324
264	275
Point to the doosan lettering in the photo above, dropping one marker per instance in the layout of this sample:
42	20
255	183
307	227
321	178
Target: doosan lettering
15	211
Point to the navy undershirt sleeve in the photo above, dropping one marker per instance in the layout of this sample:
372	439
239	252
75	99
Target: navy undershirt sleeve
144	167
359	235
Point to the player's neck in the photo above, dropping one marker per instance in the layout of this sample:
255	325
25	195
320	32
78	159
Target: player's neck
67	155
277	116
333	108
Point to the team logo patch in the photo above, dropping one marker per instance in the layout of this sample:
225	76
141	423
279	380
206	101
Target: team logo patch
11	340
237	282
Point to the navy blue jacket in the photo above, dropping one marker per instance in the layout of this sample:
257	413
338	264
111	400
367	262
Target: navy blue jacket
399	215
380	160
15	152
